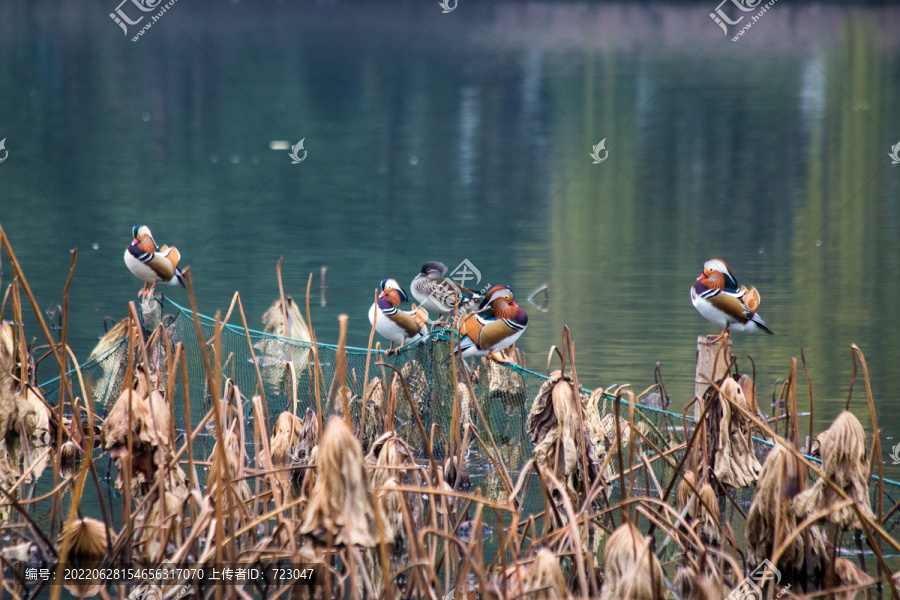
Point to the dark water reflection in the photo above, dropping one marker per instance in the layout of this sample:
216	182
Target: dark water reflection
467	135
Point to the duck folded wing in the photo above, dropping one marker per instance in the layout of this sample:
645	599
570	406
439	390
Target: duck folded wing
420	316
471	327
406	322
172	254
732	306
751	300
493	333
162	266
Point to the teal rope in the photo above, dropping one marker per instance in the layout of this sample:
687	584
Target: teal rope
438	334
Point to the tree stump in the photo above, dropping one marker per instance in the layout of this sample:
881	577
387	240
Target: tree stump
710	354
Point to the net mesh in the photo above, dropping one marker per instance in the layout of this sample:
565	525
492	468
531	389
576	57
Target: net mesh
504	392
287	367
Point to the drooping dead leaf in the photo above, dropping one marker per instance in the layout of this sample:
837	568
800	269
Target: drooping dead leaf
342	506
707	516
630	568
545	580
151	430
781	478
273	355
295	327
9	386
553	427
504	383
103	385
86	538
391	462
285	436
164	521
729	437
849	575
233	470
843	451
419	390
691	586
685	489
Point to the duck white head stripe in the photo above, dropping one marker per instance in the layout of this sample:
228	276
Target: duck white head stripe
717	265
391	284
503	292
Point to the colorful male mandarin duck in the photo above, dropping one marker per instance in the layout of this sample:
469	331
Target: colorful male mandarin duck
152	264
499	327
397	325
435	292
718	297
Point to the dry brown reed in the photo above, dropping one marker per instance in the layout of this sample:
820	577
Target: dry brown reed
391	524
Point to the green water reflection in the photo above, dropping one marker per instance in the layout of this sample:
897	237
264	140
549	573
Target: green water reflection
444	137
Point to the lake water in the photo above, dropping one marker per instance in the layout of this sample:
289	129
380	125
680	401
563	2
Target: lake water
467	135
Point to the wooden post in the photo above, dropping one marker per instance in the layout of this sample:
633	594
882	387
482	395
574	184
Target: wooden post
708	347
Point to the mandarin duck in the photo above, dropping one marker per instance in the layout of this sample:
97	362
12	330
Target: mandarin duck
399	326
718	297
435	292
499	327
152	264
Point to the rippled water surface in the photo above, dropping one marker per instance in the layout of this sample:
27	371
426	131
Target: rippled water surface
467	135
